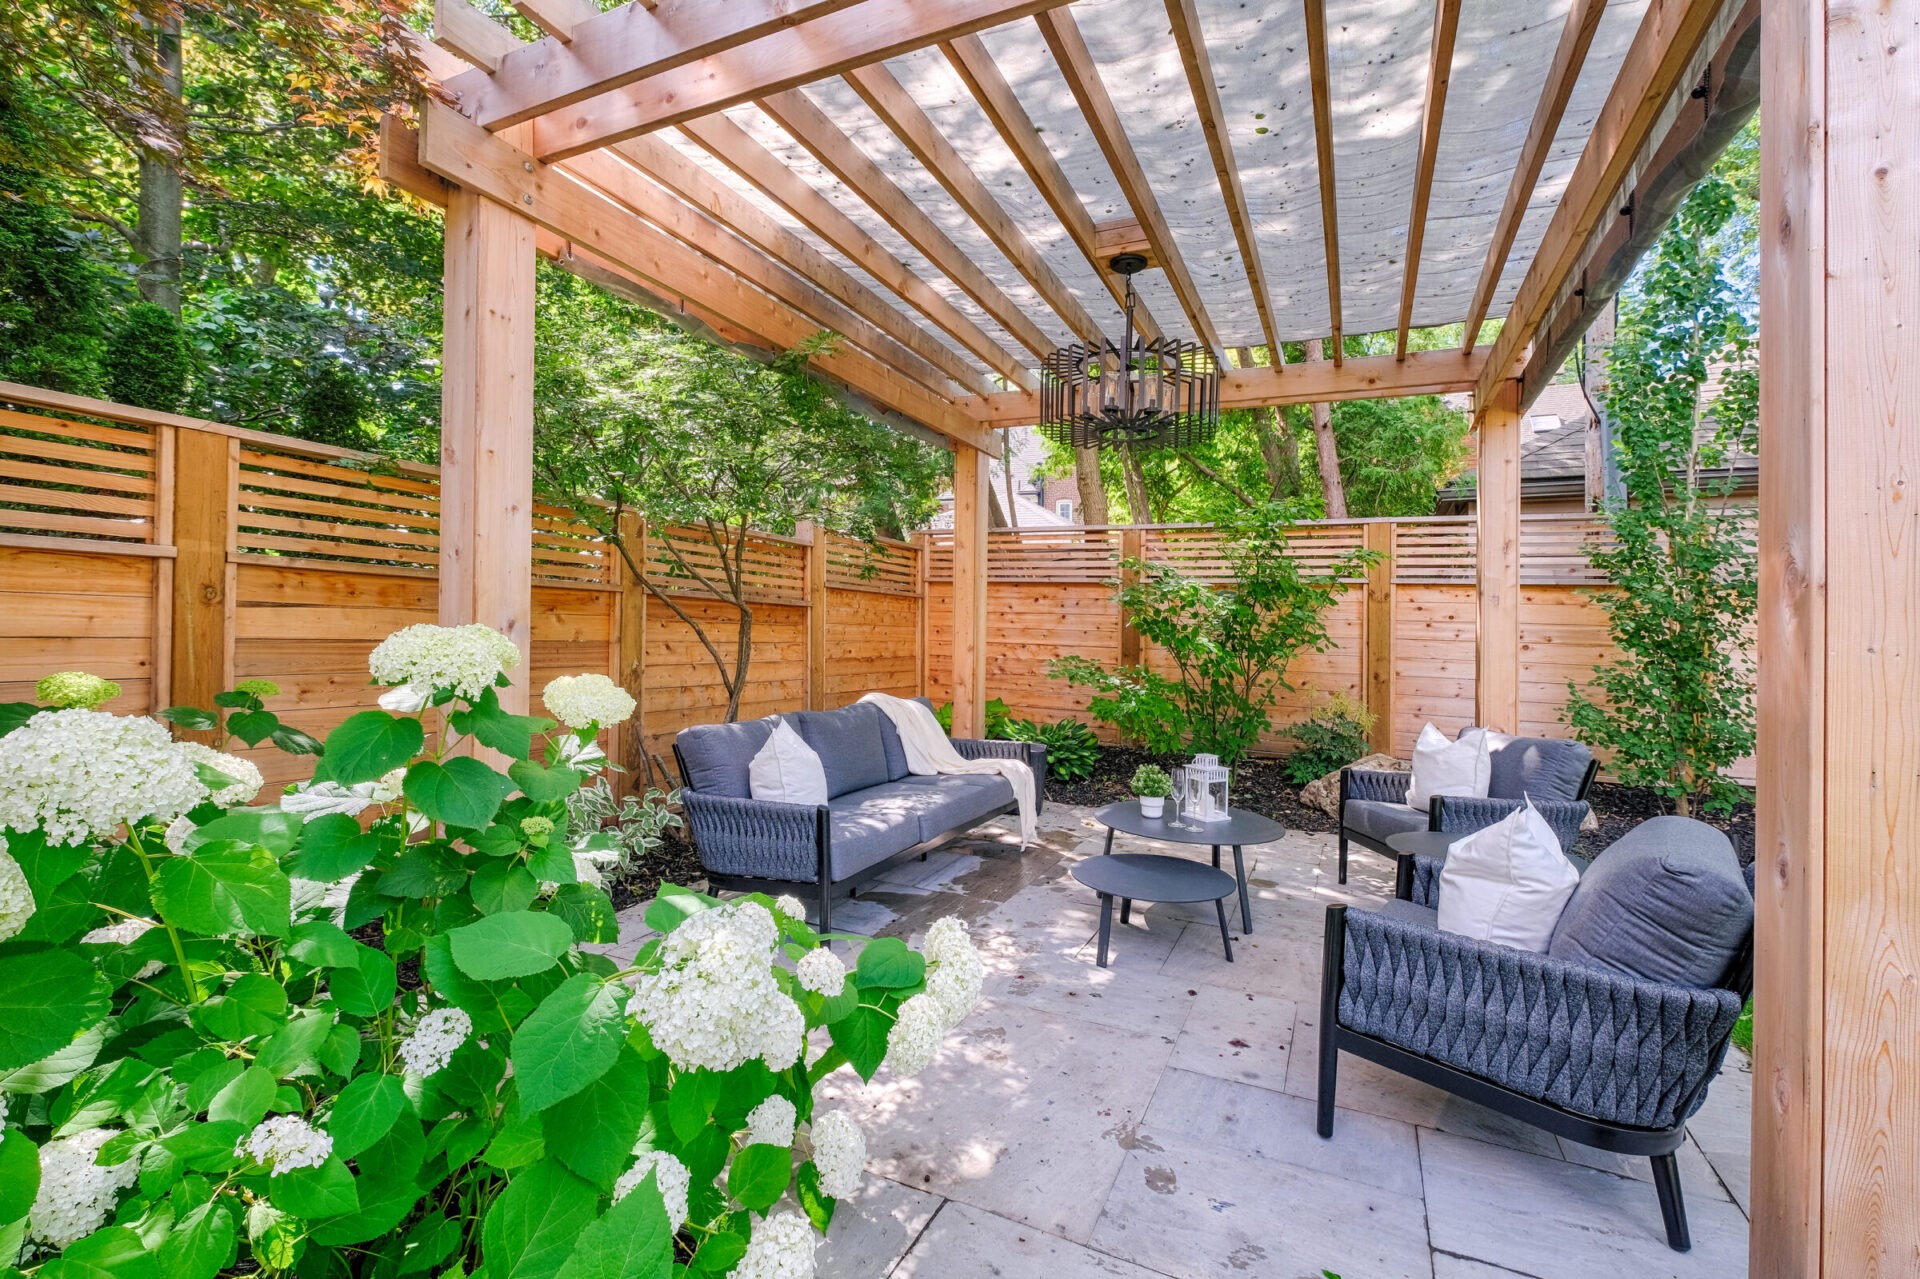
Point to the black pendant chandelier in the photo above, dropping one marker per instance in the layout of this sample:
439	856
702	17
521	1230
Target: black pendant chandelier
1159	394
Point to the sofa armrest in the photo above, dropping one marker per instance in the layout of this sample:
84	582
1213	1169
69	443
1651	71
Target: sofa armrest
756	838
1367	783
1616	1049
1462	815
1032	754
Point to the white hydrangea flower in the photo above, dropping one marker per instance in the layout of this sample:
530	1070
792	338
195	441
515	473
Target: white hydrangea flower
955	974
16	895
915	1037
466	659
839	1152
782	1247
771	1122
177	831
247	780
386	789
81	775
434	1040
3	1110
118	933
587	701
76	1194
670	1175
713	1001
947	940
791	906
822	972
286	1142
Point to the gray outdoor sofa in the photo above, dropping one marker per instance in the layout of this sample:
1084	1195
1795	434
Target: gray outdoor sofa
1554	772
1609	1038
876	812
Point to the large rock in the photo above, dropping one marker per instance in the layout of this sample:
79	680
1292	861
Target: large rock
1324	794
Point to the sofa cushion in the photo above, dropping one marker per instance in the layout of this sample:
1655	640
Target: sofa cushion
960	800
1379	818
717	756
787	771
1537	768
1666	903
890	743
848	743
1506	883
868	826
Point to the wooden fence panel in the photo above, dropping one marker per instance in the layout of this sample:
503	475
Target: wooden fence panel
93	611
871	640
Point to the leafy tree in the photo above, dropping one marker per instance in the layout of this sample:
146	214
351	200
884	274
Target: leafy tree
147	360
1676	709
1229	645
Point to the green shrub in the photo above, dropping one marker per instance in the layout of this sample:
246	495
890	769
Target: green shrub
1150	781
356	1032
997	715
147	360
1073	752
635	822
1332	737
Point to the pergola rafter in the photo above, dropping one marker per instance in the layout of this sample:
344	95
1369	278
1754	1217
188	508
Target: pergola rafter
1318	70
1446	24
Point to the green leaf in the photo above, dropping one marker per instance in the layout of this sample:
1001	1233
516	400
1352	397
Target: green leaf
430	1241
675	904
201	1244
321	944
602	1121
191	718
425	870
207	1147
531	1229
554	864
461	792
817	1206
543	785
587	910
326	1191
271	829
388	1190
691	1101
234	699
245	1100
333	847
45	866
887	963
515	944
225	888
511	735
113	1253
20	1174
719	1253
294	742
862	1036
298	1045
370	744
252	727
254	1005
47	999
633	1240
500	885
364	1112
341	1052
367	988
569	1041
759	1174
520	1141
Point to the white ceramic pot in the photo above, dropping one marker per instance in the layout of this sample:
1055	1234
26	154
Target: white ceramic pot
1150	805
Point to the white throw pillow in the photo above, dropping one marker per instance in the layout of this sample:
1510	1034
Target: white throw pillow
787	770
1441	767
1507	883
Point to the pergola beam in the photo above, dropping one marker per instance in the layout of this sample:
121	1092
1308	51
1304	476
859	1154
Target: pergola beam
1576	37
1076	63
1318	73
1446	25
1362	378
734	147
784	60
1187	33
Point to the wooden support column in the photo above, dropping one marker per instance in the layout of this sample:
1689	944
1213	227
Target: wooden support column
816	540
1377	689
1836	1138
969	592
923	551
1497	562
486	426
630	648
1132	544
200	656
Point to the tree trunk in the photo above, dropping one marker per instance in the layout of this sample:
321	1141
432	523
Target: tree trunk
1093	490
1006	468
1332	490
161	198
1136	480
1280	454
996	518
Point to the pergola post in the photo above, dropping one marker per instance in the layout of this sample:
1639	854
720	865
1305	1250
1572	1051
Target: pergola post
969	592
1836	1138
486	425
1497	561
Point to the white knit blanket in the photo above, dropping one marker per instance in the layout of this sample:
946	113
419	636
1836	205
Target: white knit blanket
929	752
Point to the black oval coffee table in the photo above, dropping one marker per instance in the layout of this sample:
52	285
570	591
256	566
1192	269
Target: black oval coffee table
1151	877
1241	827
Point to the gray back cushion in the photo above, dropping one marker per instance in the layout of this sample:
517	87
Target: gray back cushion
1537	768
890	743
716	756
849	744
1667	902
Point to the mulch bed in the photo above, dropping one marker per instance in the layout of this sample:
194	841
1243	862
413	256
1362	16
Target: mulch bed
674	861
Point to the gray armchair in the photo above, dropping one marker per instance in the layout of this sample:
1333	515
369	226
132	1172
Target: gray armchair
1553	772
1608	1038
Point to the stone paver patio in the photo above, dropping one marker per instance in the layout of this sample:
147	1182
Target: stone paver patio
1156	1118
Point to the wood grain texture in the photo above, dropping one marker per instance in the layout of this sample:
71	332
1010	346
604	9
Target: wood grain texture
1446	25
1378	663
202	607
1318	72
969	633
1497	659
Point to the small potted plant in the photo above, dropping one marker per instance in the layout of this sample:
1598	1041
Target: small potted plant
1152	785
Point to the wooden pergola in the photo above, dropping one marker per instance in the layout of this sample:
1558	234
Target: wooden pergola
943	183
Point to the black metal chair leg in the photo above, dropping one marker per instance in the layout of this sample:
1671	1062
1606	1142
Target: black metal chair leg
1332	964
1343	858
1240	875
826	908
1673	1207
1106	925
1216	857
1220	909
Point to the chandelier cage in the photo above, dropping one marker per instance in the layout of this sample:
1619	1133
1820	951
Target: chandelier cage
1157	394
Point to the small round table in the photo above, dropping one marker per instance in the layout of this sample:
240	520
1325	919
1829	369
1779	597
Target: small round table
1424	843
1150	877
1241	827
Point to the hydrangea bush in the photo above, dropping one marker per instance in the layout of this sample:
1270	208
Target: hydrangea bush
359	1031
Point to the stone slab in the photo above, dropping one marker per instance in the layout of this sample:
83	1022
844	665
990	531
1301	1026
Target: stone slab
1236	1034
1723	1127
966	1242
873	1229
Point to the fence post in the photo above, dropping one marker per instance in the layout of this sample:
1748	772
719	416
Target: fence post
1377	687
205	488
1132	546
815	537
923	552
630	647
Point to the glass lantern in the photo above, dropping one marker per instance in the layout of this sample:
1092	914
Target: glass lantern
1206	797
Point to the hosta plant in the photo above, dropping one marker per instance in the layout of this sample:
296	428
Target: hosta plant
357	1032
